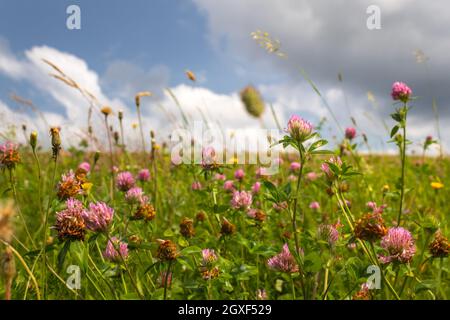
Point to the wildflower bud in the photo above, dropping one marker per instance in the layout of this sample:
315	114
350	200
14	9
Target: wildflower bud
141	94
400	91
116	137
106	111
56	141
298	128
24	127
120	115
252	101
96	157
90	131
33	139
350	133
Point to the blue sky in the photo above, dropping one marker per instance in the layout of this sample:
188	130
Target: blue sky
128	46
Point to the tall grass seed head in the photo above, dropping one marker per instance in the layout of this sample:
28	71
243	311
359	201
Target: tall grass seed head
252	100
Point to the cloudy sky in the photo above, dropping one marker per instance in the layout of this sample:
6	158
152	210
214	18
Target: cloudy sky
128	46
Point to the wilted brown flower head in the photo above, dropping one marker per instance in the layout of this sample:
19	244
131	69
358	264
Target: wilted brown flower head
145	211
7	213
69	186
167	250
227	227
70	224
187	228
439	247
363	293
209	274
201	216
370	227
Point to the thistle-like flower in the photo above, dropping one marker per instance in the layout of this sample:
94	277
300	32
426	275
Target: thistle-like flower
241	200
208	256
125	181
99	217
298	128
143	175
135	196
329	233
69	186
399	244
116	251
284	261
400	91
350	133
9	155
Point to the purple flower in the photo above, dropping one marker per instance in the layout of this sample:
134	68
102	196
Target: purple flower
350	133
311	176
111	252
400	91
143	175
256	187
135	196
284	261
241	200
196	185
295	166
228	185
209	159
326	167
239	174
209	256
260	172
99	217
219	177
399	244
85	166
298	128
314	205
328	233
125	181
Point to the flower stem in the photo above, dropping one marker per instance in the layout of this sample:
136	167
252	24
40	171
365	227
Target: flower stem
403	162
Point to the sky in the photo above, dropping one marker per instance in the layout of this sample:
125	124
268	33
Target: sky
124	47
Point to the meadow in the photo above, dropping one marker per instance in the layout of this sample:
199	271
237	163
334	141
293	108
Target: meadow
127	224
